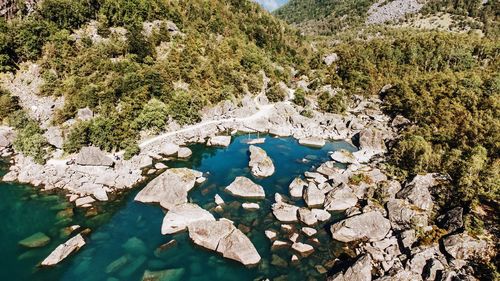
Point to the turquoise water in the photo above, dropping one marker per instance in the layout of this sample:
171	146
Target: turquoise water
124	242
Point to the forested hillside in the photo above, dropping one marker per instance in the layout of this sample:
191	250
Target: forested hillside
137	63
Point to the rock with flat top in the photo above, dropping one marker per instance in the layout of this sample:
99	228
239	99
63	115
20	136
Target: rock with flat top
303	249
250	206
307	216
260	164
313	196
223	237
170	188
312	142
179	217
367	226
84	201
245	188
343	156
64	250
340	198
184	153
169	149
223	141
93	156
285	212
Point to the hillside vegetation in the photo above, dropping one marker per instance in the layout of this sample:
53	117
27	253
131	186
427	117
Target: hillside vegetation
135	77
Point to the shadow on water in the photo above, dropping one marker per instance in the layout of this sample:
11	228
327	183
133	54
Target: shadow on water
125	238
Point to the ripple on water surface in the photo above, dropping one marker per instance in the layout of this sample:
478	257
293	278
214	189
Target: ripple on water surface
127	241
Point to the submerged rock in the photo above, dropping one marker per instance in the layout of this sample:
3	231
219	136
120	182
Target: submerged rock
223	237
223	141
170	188
261	165
64	250
179	217
93	156
370	226
36	240
174	274
245	188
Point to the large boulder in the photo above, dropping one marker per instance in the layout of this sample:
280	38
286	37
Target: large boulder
93	156
223	237
372	140
245	188
367	226
314	197
54	137
260	164
64	250
462	246
219	141
340	198
343	156
179	217
404	215
361	270
170	188
169	149
417	191
285	212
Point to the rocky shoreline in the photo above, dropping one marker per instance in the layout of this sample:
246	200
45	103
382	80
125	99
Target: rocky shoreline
385	222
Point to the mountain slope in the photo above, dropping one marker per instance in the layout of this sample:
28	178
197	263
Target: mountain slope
135	64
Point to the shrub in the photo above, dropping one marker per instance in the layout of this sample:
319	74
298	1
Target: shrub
153	117
275	94
300	98
185	107
131	150
78	137
29	139
332	104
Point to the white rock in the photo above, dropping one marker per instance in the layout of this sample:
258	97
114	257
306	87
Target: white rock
285	212
219	141
84	200
344	156
170	188
340	198
297	187
160	166
64	250
309	231
313	196
303	249
271	234
260	164
307	216
169	149
370	226
179	217
93	156
184	153
250	206
245	188
218	200
312	142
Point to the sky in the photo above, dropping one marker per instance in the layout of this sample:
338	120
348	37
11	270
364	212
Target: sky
271	5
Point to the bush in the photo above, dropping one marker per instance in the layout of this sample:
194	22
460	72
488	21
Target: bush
275	94
185	107
153	117
8	104
131	150
300	98
414	154
78	137
29	139
332	104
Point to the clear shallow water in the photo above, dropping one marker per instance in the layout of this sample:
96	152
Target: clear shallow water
124	241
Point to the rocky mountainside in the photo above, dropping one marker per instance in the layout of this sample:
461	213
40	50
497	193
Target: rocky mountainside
332	16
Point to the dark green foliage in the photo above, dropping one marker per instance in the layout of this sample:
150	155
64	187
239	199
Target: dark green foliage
275	94
185	107
8	104
69	14
131	150
300	98
325	16
77	137
332	104
29	139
